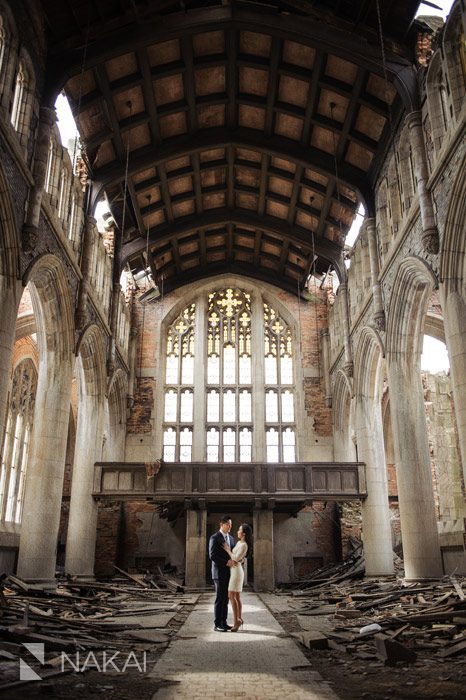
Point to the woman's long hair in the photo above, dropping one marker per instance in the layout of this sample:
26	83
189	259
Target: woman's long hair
248	537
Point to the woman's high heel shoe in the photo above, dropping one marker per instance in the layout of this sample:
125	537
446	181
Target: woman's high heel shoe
236	626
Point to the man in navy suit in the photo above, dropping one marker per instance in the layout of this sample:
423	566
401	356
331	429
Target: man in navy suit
221	564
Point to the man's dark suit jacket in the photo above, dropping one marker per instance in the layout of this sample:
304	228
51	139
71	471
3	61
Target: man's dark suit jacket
219	557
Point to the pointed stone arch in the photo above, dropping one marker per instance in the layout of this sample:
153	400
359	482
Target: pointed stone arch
452	254
411	292
52	303
115	423
412	288
80	546
343	423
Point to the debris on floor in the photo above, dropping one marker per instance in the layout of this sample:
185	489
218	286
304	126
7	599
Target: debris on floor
92	618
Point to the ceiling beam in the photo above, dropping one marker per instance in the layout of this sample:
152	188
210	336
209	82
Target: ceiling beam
296	234
63	63
219	137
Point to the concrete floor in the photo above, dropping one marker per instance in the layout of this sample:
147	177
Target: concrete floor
256	662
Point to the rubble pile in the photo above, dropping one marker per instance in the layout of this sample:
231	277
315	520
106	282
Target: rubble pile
130	612
388	620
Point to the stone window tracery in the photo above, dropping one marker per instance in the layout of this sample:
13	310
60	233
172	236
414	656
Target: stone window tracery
179	388
229	383
17	440
229	362
279	394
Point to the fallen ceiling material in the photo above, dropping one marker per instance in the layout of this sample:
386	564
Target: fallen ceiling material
89	617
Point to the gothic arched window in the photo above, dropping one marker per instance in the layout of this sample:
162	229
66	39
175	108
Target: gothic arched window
19	98
16	441
229	382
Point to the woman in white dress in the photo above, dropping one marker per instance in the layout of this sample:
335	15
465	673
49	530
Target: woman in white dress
235	586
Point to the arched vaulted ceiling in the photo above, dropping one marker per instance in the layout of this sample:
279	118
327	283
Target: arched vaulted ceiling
249	133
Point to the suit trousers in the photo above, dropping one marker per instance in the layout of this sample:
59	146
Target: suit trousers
221	601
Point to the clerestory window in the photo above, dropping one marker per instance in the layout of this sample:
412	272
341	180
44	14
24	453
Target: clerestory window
16	441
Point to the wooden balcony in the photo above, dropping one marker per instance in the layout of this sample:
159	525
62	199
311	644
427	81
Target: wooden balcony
278	486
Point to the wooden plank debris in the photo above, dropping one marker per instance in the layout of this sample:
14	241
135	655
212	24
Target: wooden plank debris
74	615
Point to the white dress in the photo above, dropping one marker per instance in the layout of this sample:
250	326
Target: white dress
236	572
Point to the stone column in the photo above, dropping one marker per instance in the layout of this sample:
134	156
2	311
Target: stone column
430	236
377	301
348	366
258	373
114	307
47	118
44	481
81	536
264	572
199	417
196	548
421	551
324	338
377	537
86	258
455	336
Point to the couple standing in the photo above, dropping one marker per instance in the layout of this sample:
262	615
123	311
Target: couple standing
227	559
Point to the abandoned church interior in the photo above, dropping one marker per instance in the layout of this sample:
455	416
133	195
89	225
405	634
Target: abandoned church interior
189	327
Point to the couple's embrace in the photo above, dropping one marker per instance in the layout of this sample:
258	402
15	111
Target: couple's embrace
227	559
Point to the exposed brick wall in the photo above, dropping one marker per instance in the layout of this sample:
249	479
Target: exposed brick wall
350	525
314	405
326	531
108	542
140	420
131	525
25	347
392	482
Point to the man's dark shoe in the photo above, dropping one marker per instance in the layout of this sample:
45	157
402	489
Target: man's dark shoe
220	629
227	627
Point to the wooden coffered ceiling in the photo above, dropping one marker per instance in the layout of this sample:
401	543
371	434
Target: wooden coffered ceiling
233	138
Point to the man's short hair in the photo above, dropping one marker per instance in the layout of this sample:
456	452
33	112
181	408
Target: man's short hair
224	519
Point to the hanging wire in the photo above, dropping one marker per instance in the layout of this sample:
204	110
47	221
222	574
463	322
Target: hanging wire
385	75
129	104
149	197
313	274
78	110
335	164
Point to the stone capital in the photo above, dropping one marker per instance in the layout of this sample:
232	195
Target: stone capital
47	116
29	237
348	368
413	119
379	320
430	241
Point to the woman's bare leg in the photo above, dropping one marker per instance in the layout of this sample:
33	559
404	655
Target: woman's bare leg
239	607
234	605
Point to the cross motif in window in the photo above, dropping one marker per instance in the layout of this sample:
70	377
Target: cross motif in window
229	303
277	327
181	327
